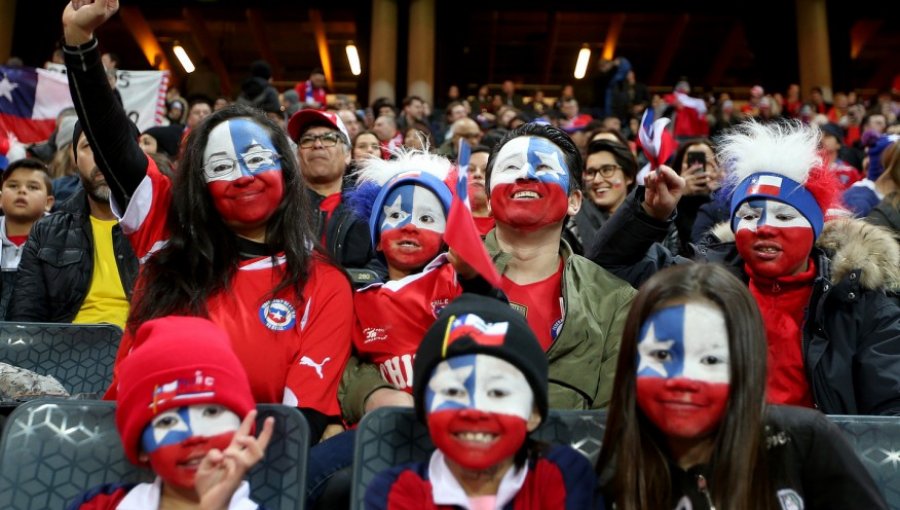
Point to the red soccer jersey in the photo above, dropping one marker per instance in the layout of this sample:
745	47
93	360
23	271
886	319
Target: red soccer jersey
392	318
541	304
294	350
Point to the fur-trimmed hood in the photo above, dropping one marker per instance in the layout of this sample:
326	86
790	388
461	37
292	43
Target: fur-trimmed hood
851	244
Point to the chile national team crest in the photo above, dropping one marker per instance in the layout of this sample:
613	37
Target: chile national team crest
277	315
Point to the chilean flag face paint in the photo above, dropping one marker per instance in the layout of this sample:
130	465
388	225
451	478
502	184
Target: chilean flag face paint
773	238
478	409
242	172
412	225
530	183
178	439
683	374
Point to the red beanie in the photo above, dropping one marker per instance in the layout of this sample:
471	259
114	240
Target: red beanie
179	361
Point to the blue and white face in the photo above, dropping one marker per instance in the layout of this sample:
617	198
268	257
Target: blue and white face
242	171
773	237
479	409
412	227
683	372
529	184
178	439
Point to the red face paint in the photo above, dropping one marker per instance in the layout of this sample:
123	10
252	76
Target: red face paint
773	238
177	463
249	200
409	248
682	408
476	439
529	205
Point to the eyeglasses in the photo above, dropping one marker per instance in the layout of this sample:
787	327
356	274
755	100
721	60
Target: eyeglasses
326	139
224	168
605	171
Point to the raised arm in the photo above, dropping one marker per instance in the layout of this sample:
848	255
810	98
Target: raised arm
112	135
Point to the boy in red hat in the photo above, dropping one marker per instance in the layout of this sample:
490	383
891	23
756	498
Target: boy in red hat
184	409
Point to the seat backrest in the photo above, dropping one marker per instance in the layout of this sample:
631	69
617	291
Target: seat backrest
876	440
79	356
53	450
391	436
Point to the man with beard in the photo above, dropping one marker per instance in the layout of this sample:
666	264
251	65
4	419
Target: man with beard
77	267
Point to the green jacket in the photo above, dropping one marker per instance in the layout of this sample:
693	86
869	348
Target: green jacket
583	357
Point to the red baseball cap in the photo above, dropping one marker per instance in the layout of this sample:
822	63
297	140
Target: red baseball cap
305	118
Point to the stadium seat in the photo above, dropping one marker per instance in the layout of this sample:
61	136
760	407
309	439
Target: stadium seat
391	436
876	440
53	450
79	356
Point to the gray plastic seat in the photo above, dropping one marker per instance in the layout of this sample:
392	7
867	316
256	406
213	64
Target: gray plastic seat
53	450
391	436
79	356
876	440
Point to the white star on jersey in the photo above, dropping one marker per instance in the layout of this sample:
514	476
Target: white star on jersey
647	346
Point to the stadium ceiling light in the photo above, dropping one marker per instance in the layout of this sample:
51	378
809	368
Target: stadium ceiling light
183	57
353	59
584	56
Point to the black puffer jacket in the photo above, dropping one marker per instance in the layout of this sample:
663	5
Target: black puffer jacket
811	466
346	236
851	333
58	262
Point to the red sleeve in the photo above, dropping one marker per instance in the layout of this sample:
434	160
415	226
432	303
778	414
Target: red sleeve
144	220
326	326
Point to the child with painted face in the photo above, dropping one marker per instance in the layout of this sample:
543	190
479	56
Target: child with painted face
229	238
481	387
184	409
688	426
824	284
405	201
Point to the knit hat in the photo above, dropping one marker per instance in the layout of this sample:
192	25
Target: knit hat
778	161
305	118
475	324
376	181
65	131
178	361
168	138
875	152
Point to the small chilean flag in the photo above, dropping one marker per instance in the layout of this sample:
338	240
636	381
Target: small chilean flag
461	234
30	100
765	185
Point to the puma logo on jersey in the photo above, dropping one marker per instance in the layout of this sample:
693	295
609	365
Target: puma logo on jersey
309	362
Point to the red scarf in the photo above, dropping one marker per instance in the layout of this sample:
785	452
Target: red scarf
783	302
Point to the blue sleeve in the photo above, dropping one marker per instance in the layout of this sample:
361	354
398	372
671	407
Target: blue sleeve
379	490
578	476
860	200
100	497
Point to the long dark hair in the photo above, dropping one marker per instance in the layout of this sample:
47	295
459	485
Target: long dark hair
634	463
203	253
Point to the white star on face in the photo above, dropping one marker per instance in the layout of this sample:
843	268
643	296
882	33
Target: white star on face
646	347
550	159
390	210
159	433
6	88
446	377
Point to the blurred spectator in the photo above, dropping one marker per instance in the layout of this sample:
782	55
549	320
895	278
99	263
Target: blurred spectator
351	122
887	212
573	119
792	102
817	101
832	143
462	128
413	113
478	199
312	92
365	146
176	110
385	128
629	97
510	97
161	140
865	194
257	90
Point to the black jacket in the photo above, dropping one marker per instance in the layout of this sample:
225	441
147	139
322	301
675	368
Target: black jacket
851	333
810	465
58	262
346	237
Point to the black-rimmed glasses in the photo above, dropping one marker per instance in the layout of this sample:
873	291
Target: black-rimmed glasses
326	139
605	171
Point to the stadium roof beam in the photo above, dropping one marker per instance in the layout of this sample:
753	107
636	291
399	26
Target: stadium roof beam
143	35
315	17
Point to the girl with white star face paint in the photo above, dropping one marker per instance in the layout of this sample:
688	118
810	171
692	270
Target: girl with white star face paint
412	228
688	426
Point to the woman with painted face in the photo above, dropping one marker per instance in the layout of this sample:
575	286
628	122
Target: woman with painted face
825	286
481	387
688	426
230	239
185	410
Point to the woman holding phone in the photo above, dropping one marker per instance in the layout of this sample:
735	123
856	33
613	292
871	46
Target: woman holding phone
696	162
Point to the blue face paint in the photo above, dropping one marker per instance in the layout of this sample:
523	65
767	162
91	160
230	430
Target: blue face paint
530	157
661	349
411	204
463	378
179	429
238	147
